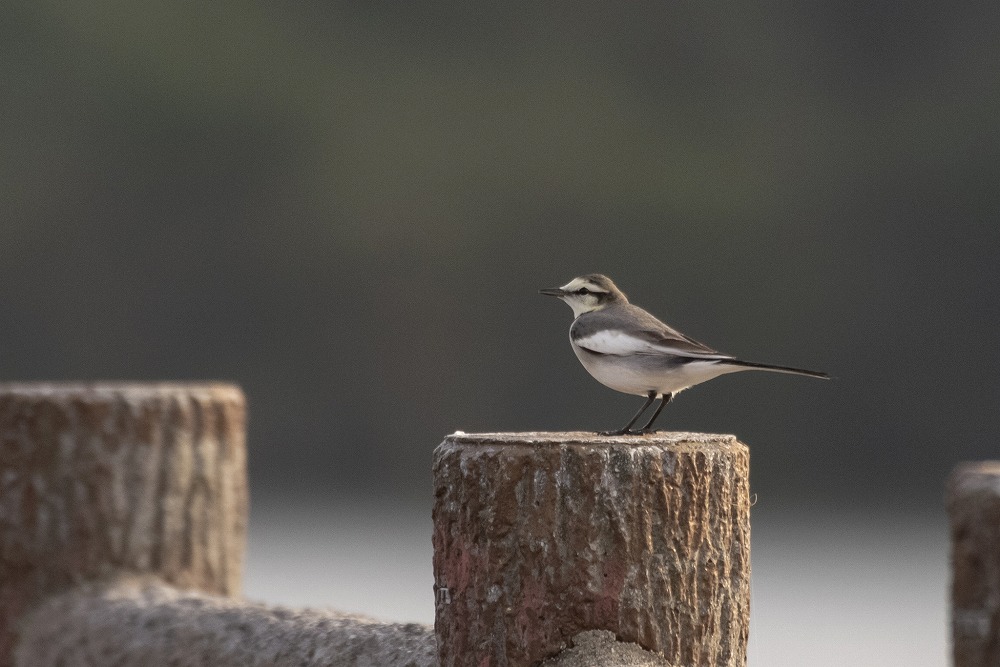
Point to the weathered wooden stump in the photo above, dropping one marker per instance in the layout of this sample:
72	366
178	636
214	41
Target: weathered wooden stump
139	622
539	536
102	479
973	499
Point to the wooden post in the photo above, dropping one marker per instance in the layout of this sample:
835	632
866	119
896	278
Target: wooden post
539	536
139	622
102	479
973	499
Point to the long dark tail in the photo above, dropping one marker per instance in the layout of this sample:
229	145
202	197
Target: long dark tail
776	369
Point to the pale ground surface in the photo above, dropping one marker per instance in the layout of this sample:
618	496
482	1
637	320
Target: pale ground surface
827	589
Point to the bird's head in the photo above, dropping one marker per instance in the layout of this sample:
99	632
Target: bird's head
587	293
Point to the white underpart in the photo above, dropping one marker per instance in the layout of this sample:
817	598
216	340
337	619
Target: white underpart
635	366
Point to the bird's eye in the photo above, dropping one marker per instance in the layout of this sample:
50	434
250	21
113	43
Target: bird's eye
583	290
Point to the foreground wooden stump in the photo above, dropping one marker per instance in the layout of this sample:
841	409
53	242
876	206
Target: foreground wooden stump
973	499
102	479
138	622
539	536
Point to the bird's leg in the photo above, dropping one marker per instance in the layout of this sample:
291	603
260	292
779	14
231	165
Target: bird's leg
650	397
666	399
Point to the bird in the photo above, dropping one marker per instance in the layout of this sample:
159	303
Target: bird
627	349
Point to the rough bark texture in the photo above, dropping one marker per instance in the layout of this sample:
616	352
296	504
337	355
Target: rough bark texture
138	623
99	479
973	498
539	536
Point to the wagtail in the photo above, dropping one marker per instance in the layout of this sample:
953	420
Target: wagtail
629	350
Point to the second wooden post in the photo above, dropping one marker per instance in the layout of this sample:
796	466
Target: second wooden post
538	536
99	480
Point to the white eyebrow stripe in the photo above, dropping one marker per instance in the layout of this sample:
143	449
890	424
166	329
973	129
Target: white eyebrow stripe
577	283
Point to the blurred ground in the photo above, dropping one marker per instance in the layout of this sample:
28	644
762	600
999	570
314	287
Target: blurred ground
829	589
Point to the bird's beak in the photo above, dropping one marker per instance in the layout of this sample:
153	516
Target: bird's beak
552	291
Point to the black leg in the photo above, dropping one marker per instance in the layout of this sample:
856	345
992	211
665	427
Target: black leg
650	397
666	399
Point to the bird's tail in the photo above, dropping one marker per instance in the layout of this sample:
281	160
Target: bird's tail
777	369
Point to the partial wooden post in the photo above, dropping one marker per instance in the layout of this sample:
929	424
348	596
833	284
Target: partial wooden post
139	622
103	479
539	536
973	499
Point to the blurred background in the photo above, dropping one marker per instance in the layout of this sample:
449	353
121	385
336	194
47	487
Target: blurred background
348	208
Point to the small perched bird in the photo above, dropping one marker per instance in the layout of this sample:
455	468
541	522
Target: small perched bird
629	350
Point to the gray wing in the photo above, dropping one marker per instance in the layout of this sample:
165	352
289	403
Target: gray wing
665	335
636	332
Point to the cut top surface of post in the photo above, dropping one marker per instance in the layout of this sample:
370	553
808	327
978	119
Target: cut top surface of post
974	477
660	438
124	388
